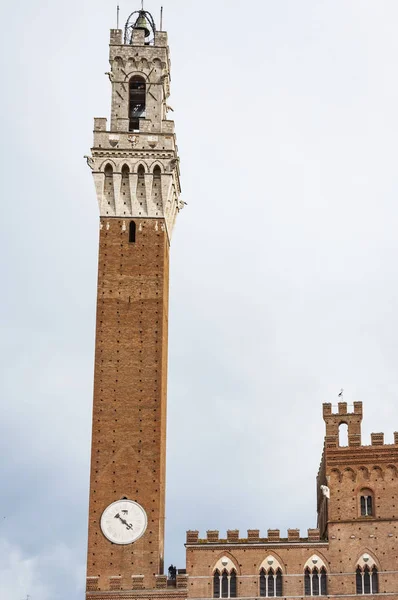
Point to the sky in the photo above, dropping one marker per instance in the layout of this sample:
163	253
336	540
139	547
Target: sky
283	264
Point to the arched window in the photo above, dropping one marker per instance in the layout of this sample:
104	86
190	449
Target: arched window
278	580
232	585
263	586
216	584
224	578
137	104
132	229
343	435
224	585
375	581
366	503
315	582
324	586
315	578
270	582
367	581
307	582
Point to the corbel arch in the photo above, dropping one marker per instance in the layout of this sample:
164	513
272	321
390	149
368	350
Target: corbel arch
157	63
364	473
336	474
118	60
392	471
377	473
350	473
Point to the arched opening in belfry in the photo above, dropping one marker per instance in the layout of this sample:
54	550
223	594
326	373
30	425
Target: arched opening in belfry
141	188
157	188
343	435
137	102
109	191
126	194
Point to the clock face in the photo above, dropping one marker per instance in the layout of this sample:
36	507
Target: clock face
124	522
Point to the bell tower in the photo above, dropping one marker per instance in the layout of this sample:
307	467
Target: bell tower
135	168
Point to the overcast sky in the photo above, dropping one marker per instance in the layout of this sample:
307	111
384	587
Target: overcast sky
283	266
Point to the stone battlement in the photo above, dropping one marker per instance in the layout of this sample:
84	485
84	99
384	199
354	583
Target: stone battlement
351	418
253	537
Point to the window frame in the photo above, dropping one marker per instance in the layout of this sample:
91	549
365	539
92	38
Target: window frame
320	588
223	586
366	503
367	580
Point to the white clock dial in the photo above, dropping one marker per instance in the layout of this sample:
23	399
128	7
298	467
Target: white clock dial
124	522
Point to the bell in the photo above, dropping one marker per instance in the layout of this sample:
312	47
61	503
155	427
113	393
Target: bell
142	24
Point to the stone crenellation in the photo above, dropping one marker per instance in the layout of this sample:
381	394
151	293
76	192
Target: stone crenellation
253	536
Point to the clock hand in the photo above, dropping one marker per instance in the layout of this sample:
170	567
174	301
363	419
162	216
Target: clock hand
129	526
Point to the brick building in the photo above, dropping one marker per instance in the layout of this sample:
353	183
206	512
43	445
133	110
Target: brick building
354	550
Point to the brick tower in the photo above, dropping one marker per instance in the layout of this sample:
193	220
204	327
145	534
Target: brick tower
136	175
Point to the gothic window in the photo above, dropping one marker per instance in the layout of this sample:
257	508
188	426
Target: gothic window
132	229
367	581
323	580
232	585
137	102
315	578
224	584
270	578
216	584
263	583
366	503
278	583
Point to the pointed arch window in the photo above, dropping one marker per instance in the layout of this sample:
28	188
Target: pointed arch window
232	584
137	102
270	580
315	581
224	584
216	584
367	580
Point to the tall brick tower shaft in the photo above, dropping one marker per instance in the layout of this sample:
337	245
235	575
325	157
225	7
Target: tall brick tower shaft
136	175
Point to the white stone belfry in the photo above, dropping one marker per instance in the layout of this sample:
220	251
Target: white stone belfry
141	139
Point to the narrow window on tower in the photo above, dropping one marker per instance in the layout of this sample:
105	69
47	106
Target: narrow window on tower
132	229
137	102
366	502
